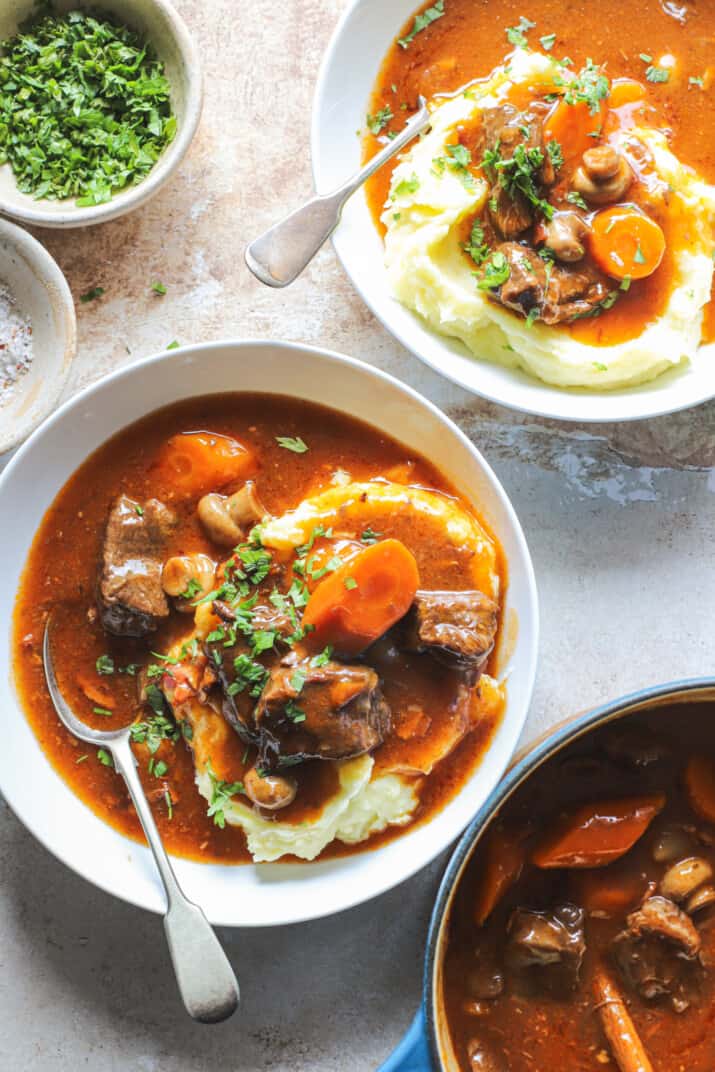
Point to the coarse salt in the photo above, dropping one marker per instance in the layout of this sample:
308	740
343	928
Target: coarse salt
16	350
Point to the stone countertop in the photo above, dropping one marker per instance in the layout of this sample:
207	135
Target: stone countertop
620	521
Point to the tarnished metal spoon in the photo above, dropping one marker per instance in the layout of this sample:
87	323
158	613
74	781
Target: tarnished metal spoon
206	980
279	256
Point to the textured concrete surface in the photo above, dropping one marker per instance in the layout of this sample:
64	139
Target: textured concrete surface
621	523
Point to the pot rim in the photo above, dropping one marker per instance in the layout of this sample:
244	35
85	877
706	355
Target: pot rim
523	767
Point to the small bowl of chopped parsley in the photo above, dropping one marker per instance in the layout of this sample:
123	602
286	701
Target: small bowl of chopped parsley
98	105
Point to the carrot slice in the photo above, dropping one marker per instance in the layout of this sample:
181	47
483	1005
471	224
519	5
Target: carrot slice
573	127
626	242
360	600
597	834
700	787
609	893
502	861
192	463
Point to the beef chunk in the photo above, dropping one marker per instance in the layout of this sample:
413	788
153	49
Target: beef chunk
131	600
458	628
546	948
657	953
555	294
327	712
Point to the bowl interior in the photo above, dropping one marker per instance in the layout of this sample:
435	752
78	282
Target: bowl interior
275	893
42	295
349	71
157	22
696	692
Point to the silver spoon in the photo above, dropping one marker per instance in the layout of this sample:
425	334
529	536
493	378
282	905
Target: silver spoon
206	980
280	255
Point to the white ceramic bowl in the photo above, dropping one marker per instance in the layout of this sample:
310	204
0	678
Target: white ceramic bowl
42	294
348	73
268	893
159	23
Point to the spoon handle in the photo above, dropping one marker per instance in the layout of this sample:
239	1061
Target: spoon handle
280	254
206	980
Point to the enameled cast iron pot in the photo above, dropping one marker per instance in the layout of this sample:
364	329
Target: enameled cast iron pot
427	1047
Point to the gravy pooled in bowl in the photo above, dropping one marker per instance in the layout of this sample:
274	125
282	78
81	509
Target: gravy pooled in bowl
298	616
558	215
582	935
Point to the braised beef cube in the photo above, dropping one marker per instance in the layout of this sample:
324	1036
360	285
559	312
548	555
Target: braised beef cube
131	600
327	712
657	953
458	628
546	948
554	293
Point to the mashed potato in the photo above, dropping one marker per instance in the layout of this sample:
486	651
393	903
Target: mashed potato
429	273
366	801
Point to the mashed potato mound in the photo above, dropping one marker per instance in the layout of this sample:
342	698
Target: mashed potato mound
429	273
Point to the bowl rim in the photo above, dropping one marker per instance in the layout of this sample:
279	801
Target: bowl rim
529	643
139	193
523	767
404	336
46	270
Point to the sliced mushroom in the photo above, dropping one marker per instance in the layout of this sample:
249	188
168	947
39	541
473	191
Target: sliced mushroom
269	791
673	843
700	899
563	234
188	578
227	517
604	175
684	877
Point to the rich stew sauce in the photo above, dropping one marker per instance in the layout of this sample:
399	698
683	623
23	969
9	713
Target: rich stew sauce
563	939
61	578
470	39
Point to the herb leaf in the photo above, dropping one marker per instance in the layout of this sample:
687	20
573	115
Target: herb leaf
422	22
288	443
379	120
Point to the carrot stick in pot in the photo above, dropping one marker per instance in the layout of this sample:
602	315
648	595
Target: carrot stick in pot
618	1027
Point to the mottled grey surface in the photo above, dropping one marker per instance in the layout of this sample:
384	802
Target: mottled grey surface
620	520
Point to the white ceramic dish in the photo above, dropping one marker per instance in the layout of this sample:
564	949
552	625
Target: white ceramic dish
349	70
42	293
268	893
158	22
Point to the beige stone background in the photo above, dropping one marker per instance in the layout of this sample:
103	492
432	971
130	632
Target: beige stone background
620	520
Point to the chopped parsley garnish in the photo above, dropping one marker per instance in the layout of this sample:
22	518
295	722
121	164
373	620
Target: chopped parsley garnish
532	315
263	640
173	345
350	583
657	74
139	510
297	680
422	22
155	698
104	711
645	57
84	109
517	174
294	713
159	768
89	295
250	676
696	81
81	759
407	186
369	535
516	35
496	272
169	805
556	155
323	658
318	532
105	757
152	731
158	288
600	367
590	86
548	41
625	283
221	793
192	590
576	199
296	445
379	120
638	256
105	665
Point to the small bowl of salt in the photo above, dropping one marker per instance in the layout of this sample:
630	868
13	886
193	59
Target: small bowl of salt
38	334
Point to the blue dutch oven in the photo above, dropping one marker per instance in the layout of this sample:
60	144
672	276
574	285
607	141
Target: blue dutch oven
427	1047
